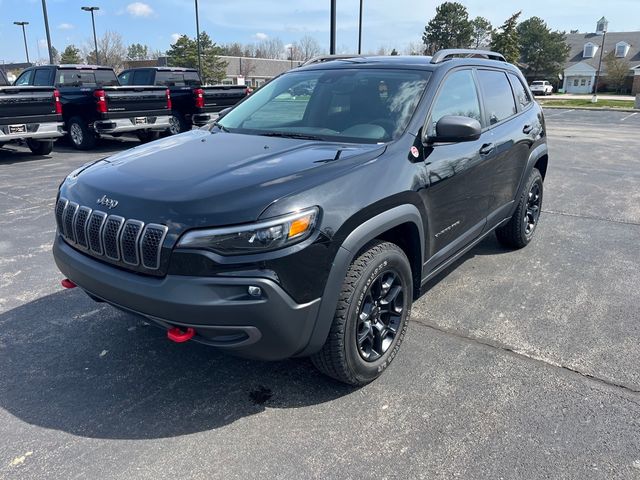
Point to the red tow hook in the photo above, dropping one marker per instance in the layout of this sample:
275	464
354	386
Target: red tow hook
66	283
178	336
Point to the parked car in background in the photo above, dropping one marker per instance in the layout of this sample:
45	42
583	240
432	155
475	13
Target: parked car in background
30	114
308	227
541	87
192	103
94	103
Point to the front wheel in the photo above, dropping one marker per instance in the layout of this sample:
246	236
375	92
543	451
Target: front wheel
371	316
518	232
40	147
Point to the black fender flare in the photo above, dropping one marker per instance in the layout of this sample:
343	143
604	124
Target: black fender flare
358	238
535	155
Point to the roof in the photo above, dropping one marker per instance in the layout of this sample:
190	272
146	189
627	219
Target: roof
577	41
80	66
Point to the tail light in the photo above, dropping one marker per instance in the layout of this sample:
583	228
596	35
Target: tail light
101	101
56	99
169	106
199	94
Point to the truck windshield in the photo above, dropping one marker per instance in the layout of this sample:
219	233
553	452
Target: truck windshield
86	78
359	105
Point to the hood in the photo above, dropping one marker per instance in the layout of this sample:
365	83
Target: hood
200	178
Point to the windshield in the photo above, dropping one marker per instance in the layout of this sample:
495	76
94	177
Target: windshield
537	83
357	105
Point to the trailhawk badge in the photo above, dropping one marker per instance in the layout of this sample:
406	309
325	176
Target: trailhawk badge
107	202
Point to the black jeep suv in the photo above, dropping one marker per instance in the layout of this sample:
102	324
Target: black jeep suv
306	225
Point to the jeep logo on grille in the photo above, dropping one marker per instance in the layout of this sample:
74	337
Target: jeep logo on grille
107	202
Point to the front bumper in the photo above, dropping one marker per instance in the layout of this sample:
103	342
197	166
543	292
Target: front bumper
269	327
35	131
123	125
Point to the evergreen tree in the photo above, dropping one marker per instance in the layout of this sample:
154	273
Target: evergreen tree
506	40
542	52
449	28
184	53
71	55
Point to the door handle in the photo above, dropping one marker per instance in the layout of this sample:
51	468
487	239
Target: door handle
527	129
487	148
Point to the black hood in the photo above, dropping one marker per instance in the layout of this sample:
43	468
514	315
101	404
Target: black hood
201	178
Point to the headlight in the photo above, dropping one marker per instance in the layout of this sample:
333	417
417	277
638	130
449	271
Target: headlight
258	237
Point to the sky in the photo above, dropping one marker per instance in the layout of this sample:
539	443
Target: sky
388	23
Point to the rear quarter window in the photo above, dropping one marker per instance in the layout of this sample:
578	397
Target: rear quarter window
522	95
498	97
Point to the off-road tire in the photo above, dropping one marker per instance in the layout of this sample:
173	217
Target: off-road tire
340	357
514	234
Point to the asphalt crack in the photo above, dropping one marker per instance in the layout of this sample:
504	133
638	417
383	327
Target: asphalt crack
526	356
590	217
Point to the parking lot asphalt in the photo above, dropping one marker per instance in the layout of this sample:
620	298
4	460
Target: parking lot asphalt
517	364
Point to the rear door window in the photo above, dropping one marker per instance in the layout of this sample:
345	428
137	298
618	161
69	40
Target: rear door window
143	77
41	78
458	96
498	97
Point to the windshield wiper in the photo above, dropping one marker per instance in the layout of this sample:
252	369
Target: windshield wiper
301	136
220	126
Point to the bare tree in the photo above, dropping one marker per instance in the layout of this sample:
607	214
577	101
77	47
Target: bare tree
618	69
306	48
270	48
414	48
247	67
111	50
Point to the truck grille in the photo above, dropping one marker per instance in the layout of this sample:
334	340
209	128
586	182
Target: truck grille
110	237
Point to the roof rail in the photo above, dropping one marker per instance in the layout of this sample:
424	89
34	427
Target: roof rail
328	58
442	55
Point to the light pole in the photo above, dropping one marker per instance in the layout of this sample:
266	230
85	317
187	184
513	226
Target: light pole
24	35
93	22
46	27
198	43
332	40
360	31
594	99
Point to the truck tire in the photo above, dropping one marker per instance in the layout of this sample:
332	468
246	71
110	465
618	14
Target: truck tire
146	136
40	147
371	316
520	229
82	138
177	124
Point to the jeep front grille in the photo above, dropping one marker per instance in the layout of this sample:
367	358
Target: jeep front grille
127	242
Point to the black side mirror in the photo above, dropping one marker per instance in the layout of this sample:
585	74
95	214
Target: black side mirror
453	128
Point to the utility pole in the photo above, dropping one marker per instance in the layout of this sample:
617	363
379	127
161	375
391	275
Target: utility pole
198	42
93	22
24	35
359	30
332	41
594	99
46	27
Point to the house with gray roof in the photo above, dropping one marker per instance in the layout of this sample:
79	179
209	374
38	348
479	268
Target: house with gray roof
586	49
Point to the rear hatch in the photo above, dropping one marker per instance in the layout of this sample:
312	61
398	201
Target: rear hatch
220	97
136	101
27	105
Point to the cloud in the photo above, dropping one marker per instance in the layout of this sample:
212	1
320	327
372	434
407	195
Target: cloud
139	9
260	36
175	37
65	26
42	43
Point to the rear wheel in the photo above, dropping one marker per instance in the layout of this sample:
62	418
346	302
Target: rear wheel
148	135
40	147
371	316
520	229
177	124
80	135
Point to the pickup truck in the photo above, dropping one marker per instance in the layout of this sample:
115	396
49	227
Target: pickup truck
192	103
30	114
94	103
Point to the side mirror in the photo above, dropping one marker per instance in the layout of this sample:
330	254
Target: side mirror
452	129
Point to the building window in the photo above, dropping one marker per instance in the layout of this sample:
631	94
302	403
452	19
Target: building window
227	81
583	82
622	49
575	82
589	50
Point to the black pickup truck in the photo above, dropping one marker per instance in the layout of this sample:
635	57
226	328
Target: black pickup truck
192	103
30	114
95	104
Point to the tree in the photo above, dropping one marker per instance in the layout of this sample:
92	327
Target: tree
617	71
414	48
481	32
111	51
306	48
184	53
542	52
234	49
137	51
506	40
71	55
394	52
270	48
449	28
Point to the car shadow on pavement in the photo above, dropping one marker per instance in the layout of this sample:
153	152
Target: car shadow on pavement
70	364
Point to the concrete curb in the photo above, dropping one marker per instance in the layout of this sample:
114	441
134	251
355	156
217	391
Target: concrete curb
602	109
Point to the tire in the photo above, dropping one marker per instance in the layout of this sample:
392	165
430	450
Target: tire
148	135
40	147
82	138
343	357
177	124
518	232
